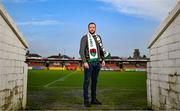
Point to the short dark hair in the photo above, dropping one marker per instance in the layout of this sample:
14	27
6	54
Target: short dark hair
91	24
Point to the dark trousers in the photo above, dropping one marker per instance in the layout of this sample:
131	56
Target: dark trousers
91	74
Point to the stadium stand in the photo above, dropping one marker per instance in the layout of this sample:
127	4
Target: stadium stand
64	62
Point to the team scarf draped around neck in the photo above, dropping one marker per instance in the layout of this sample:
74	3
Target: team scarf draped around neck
93	48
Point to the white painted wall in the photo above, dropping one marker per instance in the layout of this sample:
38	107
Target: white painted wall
13	70
163	81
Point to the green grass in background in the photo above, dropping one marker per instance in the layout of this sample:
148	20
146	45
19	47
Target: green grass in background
63	90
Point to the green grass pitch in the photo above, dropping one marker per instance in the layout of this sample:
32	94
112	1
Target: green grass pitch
63	90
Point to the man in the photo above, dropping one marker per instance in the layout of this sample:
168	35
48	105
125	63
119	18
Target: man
47	65
91	51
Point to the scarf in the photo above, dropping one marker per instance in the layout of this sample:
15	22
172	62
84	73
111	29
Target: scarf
93	55
93	48
107	55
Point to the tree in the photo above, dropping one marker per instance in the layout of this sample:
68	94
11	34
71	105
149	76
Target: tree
144	57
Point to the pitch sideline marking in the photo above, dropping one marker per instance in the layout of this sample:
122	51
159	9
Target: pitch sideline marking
60	79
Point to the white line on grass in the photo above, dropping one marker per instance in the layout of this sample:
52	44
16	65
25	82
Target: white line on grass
60	79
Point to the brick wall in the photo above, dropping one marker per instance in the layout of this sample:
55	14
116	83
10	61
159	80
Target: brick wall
13	70
163	81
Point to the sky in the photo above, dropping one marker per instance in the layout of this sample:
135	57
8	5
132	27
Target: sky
56	26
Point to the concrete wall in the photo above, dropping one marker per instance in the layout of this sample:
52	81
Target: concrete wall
13	70
163	81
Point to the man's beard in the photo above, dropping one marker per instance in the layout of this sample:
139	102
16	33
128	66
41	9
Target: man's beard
92	32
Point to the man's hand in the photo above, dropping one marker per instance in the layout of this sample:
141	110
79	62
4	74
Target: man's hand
103	63
86	65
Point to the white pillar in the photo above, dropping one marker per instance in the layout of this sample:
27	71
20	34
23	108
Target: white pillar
25	86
